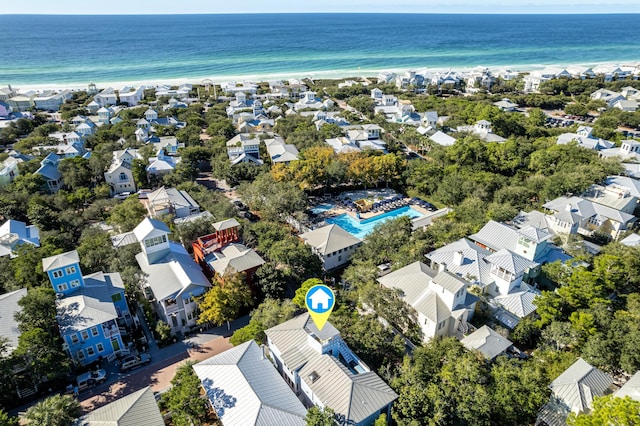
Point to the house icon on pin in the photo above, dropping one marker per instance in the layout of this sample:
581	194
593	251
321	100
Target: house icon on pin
320	300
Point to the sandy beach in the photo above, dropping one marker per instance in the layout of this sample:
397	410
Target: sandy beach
330	75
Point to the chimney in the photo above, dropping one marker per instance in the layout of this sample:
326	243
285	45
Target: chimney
458	258
442	267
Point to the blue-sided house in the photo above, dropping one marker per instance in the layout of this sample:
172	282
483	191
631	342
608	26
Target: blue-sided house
92	309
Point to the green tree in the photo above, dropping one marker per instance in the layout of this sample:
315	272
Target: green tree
301	293
609	410
320	417
42	353
95	250
7	420
56	410
268	314
164	331
223	303
183	400
128	214
38	310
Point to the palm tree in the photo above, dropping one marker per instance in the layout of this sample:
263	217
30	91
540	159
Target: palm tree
57	410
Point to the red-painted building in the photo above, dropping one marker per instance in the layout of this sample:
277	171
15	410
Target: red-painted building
226	232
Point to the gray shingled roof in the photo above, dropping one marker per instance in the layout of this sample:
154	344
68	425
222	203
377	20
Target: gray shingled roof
245	389
136	409
487	341
329	239
8	325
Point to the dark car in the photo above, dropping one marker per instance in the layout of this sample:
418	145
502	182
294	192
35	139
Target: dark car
249	216
240	206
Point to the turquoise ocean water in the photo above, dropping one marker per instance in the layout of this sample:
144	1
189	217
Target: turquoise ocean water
78	49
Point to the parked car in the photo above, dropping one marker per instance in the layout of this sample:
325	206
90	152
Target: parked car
134	361
87	380
240	206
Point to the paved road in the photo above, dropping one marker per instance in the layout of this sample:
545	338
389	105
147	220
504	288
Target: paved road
160	371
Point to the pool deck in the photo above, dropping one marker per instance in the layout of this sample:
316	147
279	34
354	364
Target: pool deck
336	210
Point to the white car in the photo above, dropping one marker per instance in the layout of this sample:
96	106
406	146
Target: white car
90	379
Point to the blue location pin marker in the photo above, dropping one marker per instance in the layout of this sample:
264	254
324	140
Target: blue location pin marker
320	302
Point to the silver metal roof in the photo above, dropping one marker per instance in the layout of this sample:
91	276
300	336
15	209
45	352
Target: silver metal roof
245	389
136	409
329	239
579	384
631	388
60	260
8	325
487	341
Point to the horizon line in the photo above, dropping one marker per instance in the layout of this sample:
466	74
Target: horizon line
325	13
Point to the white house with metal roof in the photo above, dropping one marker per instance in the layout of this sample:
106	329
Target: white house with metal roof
332	244
323	371
14	233
172	201
573	391
245	389
8	325
440	299
119	175
281	152
488	342
136	409
234	258
173	279
631	388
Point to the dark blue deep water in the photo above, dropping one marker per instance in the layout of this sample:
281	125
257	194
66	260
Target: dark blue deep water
78	49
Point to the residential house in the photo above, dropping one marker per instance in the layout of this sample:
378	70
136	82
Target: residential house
244	148
631	388
9	307
359	138
9	170
507	75
21	103
446	81
245	389
131	95
482	129
164	201
234	258
49	171
281	152
627	105
442	138
51	101
608	96
137	408
84	126
5	110
225	232
629	151
480	78
582	73
441	300
92	309
573	392
386	77
308	100
182	92
106	97
584	138
151	119
533	80
169	144
631	240
590	214
488	342
409	80
14	233
323	371
7	93
173	280
630	93
332	244
93	107
105	114
506	105
291	89
119	176
232	87
162	163
430	119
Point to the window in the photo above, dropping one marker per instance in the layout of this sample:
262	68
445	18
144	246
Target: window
74	338
187	301
90	351
57	274
80	354
70	270
63	287
150	242
94	331
75	283
84	334
189	316
100	347
116	297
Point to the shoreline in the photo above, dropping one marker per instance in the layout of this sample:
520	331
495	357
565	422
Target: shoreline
284	75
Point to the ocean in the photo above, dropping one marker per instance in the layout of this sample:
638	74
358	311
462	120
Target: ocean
64	50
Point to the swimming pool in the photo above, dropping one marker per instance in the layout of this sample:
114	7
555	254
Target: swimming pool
362	228
321	208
